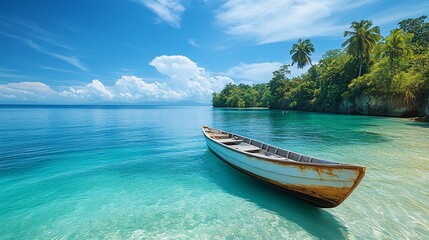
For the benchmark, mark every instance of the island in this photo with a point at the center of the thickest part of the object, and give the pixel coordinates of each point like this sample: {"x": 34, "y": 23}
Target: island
{"x": 370, "y": 75}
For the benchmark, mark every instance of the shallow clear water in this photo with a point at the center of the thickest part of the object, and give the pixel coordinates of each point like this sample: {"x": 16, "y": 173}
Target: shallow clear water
{"x": 145, "y": 172}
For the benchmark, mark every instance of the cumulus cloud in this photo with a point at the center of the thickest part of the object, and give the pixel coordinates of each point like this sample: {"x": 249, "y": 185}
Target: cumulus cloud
{"x": 187, "y": 76}
{"x": 126, "y": 89}
{"x": 90, "y": 92}
{"x": 99, "y": 89}
{"x": 169, "y": 11}
{"x": 176, "y": 67}
{"x": 135, "y": 88}
{"x": 26, "y": 91}
{"x": 273, "y": 21}
{"x": 254, "y": 72}
{"x": 186, "y": 80}
{"x": 202, "y": 86}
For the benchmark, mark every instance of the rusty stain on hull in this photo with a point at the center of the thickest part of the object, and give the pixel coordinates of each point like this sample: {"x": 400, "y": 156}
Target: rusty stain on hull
{"x": 318, "y": 195}
{"x": 327, "y": 171}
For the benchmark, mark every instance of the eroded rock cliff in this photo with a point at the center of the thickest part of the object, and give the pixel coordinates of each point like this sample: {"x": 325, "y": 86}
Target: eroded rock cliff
{"x": 378, "y": 106}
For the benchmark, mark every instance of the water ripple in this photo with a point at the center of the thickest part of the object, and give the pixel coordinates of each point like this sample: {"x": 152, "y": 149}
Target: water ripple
{"x": 145, "y": 172}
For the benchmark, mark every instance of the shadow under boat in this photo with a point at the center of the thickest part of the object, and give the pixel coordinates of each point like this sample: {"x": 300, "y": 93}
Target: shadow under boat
{"x": 317, "y": 222}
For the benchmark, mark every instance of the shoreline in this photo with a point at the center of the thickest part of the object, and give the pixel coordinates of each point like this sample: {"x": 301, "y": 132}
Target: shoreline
{"x": 424, "y": 119}
{"x": 244, "y": 108}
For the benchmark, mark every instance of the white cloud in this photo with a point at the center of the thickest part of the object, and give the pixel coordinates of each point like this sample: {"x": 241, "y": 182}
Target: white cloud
{"x": 49, "y": 39}
{"x": 202, "y": 86}
{"x": 71, "y": 60}
{"x": 261, "y": 72}
{"x": 126, "y": 89}
{"x": 31, "y": 86}
{"x": 254, "y": 72}
{"x": 176, "y": 67}
{"x": 169, "y": 11}
{"x": 186, "y": 81}
{"x": 400, "y": 12}
{"x": 187, "y": 76}
{"x": 135, "y": 88}
{"x": 193, "y": 43}
{"x": 296, "y": 72}
{"x": 36, "y": 32}
{"x": 274, "y": 21}
{"x": 99, "y": 89}
{"x": 26, "y": 91}
{"x": 10, "y": 73}
{"x": 56, "y": 69}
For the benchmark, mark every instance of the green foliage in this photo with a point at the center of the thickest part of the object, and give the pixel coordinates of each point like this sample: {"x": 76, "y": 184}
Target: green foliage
{"x": 277, "y": 85}
{"x": 409, "y": 85}
{"x": 336, "y": 73}
{"x": 376, "y": 83}
{"x": 301, "y": 53}
{"x": 242, "y": 96}
{"x": 396, "y": 48}
{"x": 406, "y": 86}
{"x": 418, "y": 27}
{"x": 329, "y": 56}
{"x": 396, "y": 68}
{"x": 362, "y": 41}
{"x": 420, "y": 64}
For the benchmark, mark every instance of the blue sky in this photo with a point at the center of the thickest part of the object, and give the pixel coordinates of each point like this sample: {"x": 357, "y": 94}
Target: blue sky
{"x": 119, "y": 51}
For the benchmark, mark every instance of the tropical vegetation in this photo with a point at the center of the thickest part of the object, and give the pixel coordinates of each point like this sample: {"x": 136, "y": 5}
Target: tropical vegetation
{"x": 391, "y": 71}
{"x": 362, "y": 41}
{"x": 301, "y": 53}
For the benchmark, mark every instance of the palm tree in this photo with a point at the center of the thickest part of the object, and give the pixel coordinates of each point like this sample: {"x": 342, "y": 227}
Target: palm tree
{"x": 396, "y": 47}
{"x": 301, "y": 53}
{"x": 362, "y": 40}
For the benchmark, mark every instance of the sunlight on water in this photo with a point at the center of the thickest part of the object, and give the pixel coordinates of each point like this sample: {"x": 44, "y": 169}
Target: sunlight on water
{"x": 145, "y": 172}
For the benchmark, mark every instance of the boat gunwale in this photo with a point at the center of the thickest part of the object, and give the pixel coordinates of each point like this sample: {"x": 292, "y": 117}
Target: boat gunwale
{"x": 283, "y": 162}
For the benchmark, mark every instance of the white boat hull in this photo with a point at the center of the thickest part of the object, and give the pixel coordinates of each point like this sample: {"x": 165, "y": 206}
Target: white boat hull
{"x": 323, "y": 185}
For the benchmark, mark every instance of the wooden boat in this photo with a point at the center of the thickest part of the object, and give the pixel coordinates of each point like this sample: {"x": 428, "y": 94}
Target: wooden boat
{"x": 323, "y": 183}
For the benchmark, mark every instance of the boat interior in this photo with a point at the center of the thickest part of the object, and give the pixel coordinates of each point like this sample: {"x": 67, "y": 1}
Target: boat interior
{"x": 259, "y": 149}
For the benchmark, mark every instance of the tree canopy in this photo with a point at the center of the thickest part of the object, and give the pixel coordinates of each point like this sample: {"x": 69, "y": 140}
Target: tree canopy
{"x": 393, "y": 68}
{"x": 362, "y": 40}
{"x": 301, "y": 53}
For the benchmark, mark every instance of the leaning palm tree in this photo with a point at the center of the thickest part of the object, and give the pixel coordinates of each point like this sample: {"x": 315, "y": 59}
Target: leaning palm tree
{"x": 363, "y": 38}
{"x": 396, "y": 47}
{"x": 301, "y": 53}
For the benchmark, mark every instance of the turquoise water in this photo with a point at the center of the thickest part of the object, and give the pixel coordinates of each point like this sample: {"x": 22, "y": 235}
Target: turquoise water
{"x": 145, "y": 172}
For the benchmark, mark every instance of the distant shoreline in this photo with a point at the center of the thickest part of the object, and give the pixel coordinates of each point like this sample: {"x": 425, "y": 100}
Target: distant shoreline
{"x": 100, "y": 105}
{"x": 424, "y": 119}
{"x": 254, "y": 108}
